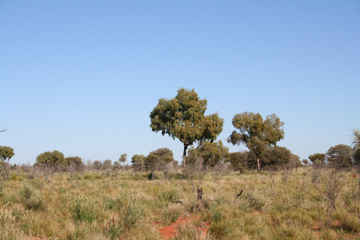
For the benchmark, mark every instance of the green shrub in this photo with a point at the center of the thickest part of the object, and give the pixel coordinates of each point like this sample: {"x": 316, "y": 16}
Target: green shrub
{"x": 14, "y": 177}
{"x": 216, "y": 217}
{"x": 170, "y": 214}
{"x": 81, "y": 213}
{"x": 87, "y": 176}
{"x": 219, "y": 230}
{"x": 113, "y": 229}
{"x": 174, "y": 175}
{"x": 31, "y": 198}
{"x": 350, "y": 224}
{"x": 109, "y": 203}
{"x": 166, "y": 196}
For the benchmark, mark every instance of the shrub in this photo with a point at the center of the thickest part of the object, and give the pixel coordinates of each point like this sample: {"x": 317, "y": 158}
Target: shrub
{"x": 83, "y": 212}
{"x": 8, "y": 221}
{"x": 130, "y": 213}
{"x": 350, "y": 224}
{"x": 166, "y": 196}
{"x": 219, "y": 230}
{"x": 31, "y": 198}
{"x": 170, "y": 214}
{"x": 14, "y": 177}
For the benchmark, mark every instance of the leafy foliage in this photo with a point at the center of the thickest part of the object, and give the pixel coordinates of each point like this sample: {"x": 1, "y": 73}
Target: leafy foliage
{"x": 123, "y": 158}
{"x": 239, "y": 160}
{"x": 257, "y": 134}
{"x": 31, "y": 197}
{"x": 6, "y": 153}
{"x": 51, "y": 158}
{"x": 211, "y": 152}
{"x": 138, "y": 162}
{"x": 319, "y": 156}
{"x": 183, "y": 117}
{"x": 340, "y": 156}
{"x": 158, "y": 158}
{"x": 76, "y": 161}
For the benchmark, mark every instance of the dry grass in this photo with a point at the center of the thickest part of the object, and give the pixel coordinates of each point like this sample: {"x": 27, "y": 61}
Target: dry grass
{"x": 125, "y": 205}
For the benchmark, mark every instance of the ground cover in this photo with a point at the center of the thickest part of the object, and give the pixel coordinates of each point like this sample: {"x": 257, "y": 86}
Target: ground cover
{"x": 307, "y": 204}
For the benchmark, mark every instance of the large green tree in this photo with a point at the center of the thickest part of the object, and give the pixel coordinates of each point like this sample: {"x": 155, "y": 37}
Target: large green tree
{"x": 51, "y": 158}
{"x": 6, "y": 153}
{"x": 183, "y": 117}
{"x": 340, "y": 156}
{"x": 256, "y": 133}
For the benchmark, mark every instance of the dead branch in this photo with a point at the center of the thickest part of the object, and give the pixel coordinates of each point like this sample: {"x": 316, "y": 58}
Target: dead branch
{"x": 239, "y": 194}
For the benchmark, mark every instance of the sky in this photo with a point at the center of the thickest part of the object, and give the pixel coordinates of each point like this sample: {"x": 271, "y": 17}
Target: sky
{"x": 82, "y": 77}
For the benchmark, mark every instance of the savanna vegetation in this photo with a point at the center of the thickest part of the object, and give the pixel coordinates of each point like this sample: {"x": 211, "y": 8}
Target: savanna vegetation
{"x": 266, "y": 192}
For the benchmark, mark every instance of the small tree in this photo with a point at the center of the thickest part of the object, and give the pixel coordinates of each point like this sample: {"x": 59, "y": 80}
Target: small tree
{"x": 76, "y": 163}
{"x": 356, "y": 139}
{"x": 239, "y": 161}
{"x": 211, "y": 152}
{"x": 51, "y": 158}
{"x": 356, "y": 146}
{"x": 138, "y": 162}
{"x": 256, "y": 133}
{"x": 107, "y": 165}
{"x": 97, "y": 165}
{"x": 305, "y": 162}
{"x": 183, "y": 117}
{"x": 318, "y": 156}
{"x": 6, "y": 153}
{"x": 156, "y": 159}
{"x": 340, "y": 156}
{"x": 123, "y": 158}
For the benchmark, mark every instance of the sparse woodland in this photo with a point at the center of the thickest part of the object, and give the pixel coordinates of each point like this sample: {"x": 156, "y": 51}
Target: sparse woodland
{"x": 264, "y": 193}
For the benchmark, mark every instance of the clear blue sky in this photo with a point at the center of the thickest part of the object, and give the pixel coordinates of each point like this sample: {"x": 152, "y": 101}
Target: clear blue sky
{"x": 82, "y": 77}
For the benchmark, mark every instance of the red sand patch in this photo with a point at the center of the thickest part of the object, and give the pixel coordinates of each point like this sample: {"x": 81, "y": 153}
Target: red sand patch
{"x": 170, "y": 231}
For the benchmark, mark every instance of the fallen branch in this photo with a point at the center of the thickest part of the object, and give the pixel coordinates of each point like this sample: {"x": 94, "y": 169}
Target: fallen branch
{"x": 175, "y": 201}
{"x": 239, "y": 194}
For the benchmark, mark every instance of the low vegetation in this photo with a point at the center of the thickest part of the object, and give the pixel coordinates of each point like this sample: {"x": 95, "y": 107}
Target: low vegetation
{"x": 310, "y": 203}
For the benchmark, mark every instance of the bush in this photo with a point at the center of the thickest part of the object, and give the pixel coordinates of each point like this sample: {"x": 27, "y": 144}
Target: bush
{"x": 350, "y": 224}
{"x": 31, "y": 198}
{"x": 14, "y": 177}
{"x": 166, "y": 196}
{"x": 82, "y": 210}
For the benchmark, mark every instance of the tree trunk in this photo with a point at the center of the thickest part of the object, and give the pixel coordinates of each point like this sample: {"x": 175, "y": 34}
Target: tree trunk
{"x": 258, "y": 164}
{"x": 184, "y": 153}
{"x": 199, "y": 198}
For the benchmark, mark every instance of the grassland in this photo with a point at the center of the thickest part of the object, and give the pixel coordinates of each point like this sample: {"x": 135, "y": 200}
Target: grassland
{"x": 307, "y": 204}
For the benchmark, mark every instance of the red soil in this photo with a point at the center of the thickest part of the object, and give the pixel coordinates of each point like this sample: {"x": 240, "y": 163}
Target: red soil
{"x": 170, "y": 231}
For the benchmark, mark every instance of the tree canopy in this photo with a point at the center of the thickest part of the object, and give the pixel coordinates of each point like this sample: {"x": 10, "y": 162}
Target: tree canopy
{"x": 211, "y": 152}
{"x": 340, "y": 156}
{"x": 183, "y": 117}
{"x": 156, "y": 159}
{"x": 317, "y": 156}
{"x": 6, "y": 153}
{"x": 51, "y": 158}
{"x": 356, "y": 139}
{"x": 257, "y": 134}
{"x": 123, "y": 158}
{"x": 239, "y": 160}
{"x": 138, "y": 162}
